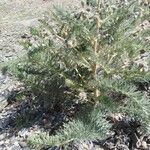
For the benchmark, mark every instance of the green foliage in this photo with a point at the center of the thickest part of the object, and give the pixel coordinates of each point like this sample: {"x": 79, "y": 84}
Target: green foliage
{"x": 135, "y": 103}
{"x": 90, "y": 127}
{"x": 93, "y": 52}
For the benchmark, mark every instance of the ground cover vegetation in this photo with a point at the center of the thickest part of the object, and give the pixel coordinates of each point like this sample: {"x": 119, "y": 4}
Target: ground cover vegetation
{"x": 88, "y": 57}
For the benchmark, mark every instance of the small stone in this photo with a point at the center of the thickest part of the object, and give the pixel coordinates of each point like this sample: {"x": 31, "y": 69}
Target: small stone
{"x": 26, "y": 148}
{"x": 110, "y": 145}
{"x": 15, "y": 146}
{"x": 23, "y": 133}
{"x": 2, "y": 146}
{"x": 86, "y": 146}
{"x": 23, "y": 144}
{"x": 122, "y": 147}
{"x": 144, "y": 145}
{"x": 2, "y": 136}
{"x": 98, "y": 148}
{"x": 7, "y": 141}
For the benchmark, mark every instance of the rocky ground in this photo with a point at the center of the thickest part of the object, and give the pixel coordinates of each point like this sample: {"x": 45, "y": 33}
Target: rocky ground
{"x": 16, "y": 16}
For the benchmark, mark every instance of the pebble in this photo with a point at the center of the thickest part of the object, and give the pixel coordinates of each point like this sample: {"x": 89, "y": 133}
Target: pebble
{"x": 98, "y": 148}
{"x": 3, "y": 136}
{"x": 2, "y": 146}
{"x": 15, "y": 146}
{"x": 144, "y": 145}
{"x": 23, "y": 133}
{"x": 23, "y": 144}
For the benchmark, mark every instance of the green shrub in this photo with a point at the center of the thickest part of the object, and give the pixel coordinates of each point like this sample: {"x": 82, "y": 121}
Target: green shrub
{"x": 88, "y": 127}
{"x": 91, "y": 51}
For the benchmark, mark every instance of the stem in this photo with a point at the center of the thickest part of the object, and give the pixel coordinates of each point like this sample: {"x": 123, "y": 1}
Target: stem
{"x": 94, "y": 69}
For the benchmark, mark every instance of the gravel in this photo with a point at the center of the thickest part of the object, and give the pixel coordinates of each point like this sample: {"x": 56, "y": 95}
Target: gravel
{"x": 16, "y": 16}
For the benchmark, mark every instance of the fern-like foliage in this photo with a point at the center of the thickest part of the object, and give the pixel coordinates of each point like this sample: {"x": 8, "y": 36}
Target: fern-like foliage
{"x": 93, "y": 51}
{"x": 135, "y": 103}
{"x": 89, "y": 127}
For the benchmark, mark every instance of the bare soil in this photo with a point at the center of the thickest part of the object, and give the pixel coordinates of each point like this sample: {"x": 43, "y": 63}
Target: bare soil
{"x": 16, "y": 16}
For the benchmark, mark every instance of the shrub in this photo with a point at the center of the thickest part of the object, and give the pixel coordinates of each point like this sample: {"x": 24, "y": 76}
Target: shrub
{"x": 90, "y": 127}
{"x": 91, "y": 51}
